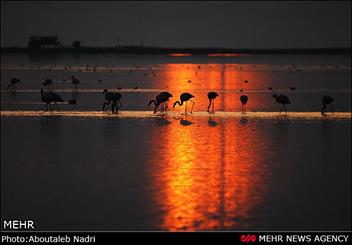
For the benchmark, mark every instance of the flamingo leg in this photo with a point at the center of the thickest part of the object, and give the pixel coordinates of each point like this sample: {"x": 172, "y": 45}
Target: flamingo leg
{"x": 113, "y": 106}
{"x": 285, "y": 109}
{"x": 156, "y": 107}
{"x": 117, "y": 107}
{"x": 57, "y": 107}
{"x": 332, "y": 109}
{"x": 323, "y": 110}
{"x": 162, "y": 108}
{"x": 192, "y": 106}
{"x": 105, "y": 104}
{"x": 166, "y": 106}
{"x": 46, "y": 106}
{"x": 52, "y": 108}
{"x": 186, "y": 108}
{"x": 281, "y": 109}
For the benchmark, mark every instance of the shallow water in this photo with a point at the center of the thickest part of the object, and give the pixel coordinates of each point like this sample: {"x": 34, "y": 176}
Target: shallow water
{"x": 312, "y": 77}
{"x": 82, "y": 169}
{"x": 176, "y": 174}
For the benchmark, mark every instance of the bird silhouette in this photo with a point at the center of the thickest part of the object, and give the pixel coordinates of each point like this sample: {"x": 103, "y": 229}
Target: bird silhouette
{"x": 50, "y": 97}
{"x": 184, "y": 98}
{"x": 13, "y": 83}
{"x": 75, "y": 81}
{"x": 282, "y": 99}
{"x": 161, "y": 99}
{"x": 211, "y": 97}
{"x": 327, "y": 100}
{"x": 113, "y": 98}
{"x": 244, "y": 100}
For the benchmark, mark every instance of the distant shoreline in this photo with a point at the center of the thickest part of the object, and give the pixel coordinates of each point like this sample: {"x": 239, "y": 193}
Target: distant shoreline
{"x": 171, "y": 51}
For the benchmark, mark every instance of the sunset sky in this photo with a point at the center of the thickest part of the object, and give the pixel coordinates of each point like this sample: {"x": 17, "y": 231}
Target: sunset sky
{"x": 181, "y": 24}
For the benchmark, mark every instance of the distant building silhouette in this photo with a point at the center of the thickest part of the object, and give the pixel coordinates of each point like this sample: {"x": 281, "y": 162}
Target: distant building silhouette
{"x": 43, "y": 42}
{"x": 76, "y": 44}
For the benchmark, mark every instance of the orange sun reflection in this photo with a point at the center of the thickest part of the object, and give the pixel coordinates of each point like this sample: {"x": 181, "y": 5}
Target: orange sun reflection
{"x": 180, "y": 54}
{"x": 226, "y": 79}
{"x": 210, "y": 176}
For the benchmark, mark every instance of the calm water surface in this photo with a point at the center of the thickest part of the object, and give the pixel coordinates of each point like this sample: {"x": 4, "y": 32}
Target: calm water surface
{"x": 312, "y": 77}
{"x": 176, "y": 174}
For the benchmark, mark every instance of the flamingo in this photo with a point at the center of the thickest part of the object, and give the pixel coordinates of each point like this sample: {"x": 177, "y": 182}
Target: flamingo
{"x": 114, "y": 98}
{"x": 161, "y": 99}
{"x": 13, "y": 83}
{"x": 51, "y": 97}
{"x": 211, "y": 97}
{"x": 326, "y": 100}
{"x": 184, "y": 98}
{"x": 282, "y": 99}
{"x": 244, "y": 100}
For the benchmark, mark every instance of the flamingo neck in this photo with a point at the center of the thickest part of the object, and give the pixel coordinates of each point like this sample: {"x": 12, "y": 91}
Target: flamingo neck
{"x": 177, "y": 102}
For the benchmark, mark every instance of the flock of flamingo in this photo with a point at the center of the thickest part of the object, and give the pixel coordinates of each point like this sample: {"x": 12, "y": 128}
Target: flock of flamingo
{"x": 112, "y": 99}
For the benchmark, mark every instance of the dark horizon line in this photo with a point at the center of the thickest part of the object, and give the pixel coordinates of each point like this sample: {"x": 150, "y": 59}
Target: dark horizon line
{"x": 138, "y": 49}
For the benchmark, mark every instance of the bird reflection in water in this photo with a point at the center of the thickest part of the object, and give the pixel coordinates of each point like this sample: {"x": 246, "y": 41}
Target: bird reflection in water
{"x": 244, "y": 120}
{"x": 212, "y": 123}
{"x": 184, "y": 120}
{"x": 161, "y": 121}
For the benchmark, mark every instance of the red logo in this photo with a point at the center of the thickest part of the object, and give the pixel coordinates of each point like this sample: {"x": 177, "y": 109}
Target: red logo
{"x": 248, "y": 238}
